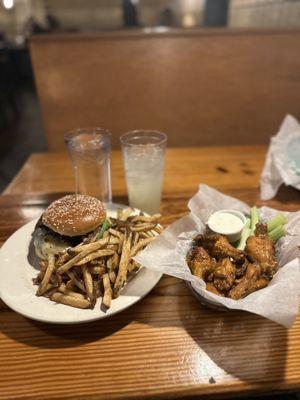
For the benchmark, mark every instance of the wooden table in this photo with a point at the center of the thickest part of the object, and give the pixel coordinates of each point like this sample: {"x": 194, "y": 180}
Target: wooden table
{"x": 167, "y": 345}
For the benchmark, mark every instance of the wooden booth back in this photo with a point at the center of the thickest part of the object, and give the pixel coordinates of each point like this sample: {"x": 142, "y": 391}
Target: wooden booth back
{"x": 203, "y": 87}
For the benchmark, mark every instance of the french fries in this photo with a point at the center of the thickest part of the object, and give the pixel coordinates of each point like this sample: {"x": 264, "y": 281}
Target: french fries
{"x": 91, "y": 246}
{"x": 140, "y": 245}
{"x": 124, "y": 261}
{"x": 88, "y": 283}
{"x": 69, "y": 264}
{"x": 70, "y": 300}
{"x": 46, "y": 279}
{"x": 112, "y": 276}
{"x": 144, "y": 227}
{"x": 93, "y": 256}
{"x": 107, "y": 291}
{"x": 98, "y": 267}
{"x": 63, "y": 289}
{"x": 142, "y": 218}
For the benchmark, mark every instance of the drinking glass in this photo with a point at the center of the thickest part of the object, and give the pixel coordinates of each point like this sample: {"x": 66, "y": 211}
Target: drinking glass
{"x": 143, "y": 153}
{"x": 89, "y": 150}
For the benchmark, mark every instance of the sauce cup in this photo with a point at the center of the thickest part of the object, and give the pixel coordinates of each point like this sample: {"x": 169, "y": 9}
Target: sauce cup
{"x": 229, "y": 223}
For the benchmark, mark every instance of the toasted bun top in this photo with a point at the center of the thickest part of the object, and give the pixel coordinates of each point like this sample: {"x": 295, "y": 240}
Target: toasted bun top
{"x": 74, "y": 215}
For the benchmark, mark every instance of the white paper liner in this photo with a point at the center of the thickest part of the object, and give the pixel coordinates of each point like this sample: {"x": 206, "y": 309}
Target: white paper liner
{"x": 278, "y": 301}
{"x": 282, "y": 160}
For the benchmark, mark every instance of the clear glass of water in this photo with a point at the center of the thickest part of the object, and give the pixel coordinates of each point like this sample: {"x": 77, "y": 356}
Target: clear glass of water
{"x": 144, "y": 153}
{"x": 89, "y": 150}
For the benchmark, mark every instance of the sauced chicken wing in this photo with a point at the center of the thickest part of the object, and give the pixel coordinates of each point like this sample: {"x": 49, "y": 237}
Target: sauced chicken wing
{"x": 211, "y": 287}
{"x": 231, "y": 272}
{"x": 201, "y": 263}
{"x": 249, "y": 283}
{"x": 219, "y": 247}
{"x": 261, "y": 229}
{"x": 241, "y": 269}
{"x": 260, "y": 248}
{"x": 224, "y": 275}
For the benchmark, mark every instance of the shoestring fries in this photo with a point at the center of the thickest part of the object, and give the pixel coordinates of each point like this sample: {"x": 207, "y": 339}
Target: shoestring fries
{"x": 98, "y": 267}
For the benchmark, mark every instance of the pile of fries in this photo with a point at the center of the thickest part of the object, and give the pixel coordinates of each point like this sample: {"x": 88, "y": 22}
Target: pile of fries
{"x": 98, "y": 267}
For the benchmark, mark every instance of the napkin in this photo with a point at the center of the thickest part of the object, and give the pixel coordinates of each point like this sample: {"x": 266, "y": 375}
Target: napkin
{"x": 278, "y": 301}
{"x": 282, "y": 163}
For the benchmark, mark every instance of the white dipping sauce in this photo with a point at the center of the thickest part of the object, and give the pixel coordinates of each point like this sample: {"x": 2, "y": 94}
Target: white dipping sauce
{"x": 225, "y": 223}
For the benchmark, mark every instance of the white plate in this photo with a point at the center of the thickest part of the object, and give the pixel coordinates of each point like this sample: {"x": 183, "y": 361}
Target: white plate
{"x": 18, "y": 291}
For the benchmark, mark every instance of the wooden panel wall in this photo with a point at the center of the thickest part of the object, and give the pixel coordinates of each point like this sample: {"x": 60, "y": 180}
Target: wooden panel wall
{"x": 204, "y": 87}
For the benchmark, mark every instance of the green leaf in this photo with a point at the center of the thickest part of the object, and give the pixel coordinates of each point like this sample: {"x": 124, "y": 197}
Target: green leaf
{"x": 104, "y": 227}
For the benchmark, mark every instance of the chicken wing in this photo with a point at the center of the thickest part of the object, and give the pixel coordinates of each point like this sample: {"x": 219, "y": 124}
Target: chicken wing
{"x": 241, "y": 269}
{"x": 201, "y": 263}
{"x": 219, "y": 247}
{"x": 260, "y": 248}
{"x": 224, "y": 275}
{"x": 250, "y": 282}
{"x": 211, "y": 287}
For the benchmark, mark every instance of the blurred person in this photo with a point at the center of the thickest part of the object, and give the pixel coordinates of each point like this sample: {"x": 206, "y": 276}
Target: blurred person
{"x": 216, "y": 12}
{"x": 31, "y": 26}
{"x": 130, "y": 17}
{"x": 53, "y": 23}
{"x": 167, "y": 17}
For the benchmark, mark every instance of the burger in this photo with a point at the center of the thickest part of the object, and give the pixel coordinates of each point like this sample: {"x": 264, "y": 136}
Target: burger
{"x": 66, "y": 222}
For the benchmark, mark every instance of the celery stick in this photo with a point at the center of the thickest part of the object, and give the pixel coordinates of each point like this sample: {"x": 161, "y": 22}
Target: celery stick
{"x": 247, "y": 223}
{"x": 241, "y": 244}
{"x": 244, "y": 236}
{"x": 277, "y": 233}
{"x": 254, "y": 219}
{"x": 279, "y": 219}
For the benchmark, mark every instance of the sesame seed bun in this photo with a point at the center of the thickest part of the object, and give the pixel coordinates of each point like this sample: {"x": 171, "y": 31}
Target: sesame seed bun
{"x": 74, "y": 215}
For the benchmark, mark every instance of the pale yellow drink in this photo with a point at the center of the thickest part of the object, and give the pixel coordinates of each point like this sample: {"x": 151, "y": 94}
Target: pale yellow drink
{"x": 144, "y": 164}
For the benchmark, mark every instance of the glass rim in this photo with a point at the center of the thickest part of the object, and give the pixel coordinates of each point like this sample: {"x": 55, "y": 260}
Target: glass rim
{"x": 140, "y": 133}
{"x": 104, "y": 132}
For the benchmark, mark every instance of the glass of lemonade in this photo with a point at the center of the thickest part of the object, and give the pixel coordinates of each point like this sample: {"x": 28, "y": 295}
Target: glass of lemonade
{"x": 89, "y": 150}
{"x": 144, "y": 153}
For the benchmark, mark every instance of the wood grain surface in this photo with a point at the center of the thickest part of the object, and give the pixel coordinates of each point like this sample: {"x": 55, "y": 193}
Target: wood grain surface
{"x": 201, "y": 87}
{"x": 167, "y": 345}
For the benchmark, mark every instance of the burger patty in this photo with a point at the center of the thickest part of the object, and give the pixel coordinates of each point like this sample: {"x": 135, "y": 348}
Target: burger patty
{"x": 46, "y": 241}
